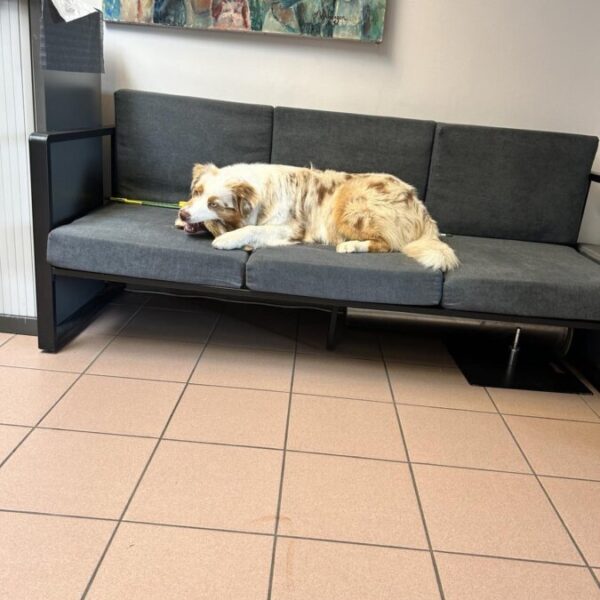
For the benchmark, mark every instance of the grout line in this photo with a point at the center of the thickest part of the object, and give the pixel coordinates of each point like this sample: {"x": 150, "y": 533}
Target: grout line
{"x": 79, "y": 376}
{"x": 145, "y": 469}
{"x": 413, "y": 478}
{"x": 514, "y": 437}
{"x": 597, "y": 413}
{"x": 10, "y": 337}
{"x": 288, "y": 536}
{"x": 283, "y": 461}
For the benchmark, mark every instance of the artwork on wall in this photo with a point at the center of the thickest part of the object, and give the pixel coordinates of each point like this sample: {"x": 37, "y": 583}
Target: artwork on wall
{"x": 360, "y": 20}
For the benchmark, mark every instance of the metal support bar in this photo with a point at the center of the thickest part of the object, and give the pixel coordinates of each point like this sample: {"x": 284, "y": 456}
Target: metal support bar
{"x": 337, "y": 320}
{"x": 595, "y": 177}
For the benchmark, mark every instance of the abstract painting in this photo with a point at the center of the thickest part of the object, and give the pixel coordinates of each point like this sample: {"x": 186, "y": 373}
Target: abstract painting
{"x": 360, "y": 20}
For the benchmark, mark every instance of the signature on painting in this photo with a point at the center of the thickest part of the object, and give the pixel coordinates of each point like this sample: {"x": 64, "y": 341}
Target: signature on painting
{"x": 328, "y": 17}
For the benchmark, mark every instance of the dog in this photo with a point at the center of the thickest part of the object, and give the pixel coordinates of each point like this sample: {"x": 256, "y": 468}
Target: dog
{"x": 253, "y": 206}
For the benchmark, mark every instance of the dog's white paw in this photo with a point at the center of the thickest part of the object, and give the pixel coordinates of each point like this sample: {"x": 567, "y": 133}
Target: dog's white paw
{"x": 228, "y": 241}
{"x": 352, "y": 246}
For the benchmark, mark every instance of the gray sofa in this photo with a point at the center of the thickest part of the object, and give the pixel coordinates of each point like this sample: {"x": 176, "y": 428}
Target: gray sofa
{"x": 510, "y": 201}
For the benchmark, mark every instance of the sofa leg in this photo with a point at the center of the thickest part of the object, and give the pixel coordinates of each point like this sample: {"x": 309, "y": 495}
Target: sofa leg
{"x": 337, "y": 320}
{"x": 513, "y": 357}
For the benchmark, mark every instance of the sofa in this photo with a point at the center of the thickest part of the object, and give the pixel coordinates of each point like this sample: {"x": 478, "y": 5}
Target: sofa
{"x": 509, "y": 201}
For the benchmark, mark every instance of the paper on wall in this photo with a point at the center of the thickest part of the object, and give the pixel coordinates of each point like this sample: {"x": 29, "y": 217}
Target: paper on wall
{"x": 70, "y": 10}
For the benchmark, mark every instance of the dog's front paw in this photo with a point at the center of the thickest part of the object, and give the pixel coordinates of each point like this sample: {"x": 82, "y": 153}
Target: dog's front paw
{"x": 179, "y": 223}
{"x": 228, "y": 241}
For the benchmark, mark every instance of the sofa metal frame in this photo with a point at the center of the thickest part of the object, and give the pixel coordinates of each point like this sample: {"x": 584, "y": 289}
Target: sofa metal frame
{"x": 53, "y": 335}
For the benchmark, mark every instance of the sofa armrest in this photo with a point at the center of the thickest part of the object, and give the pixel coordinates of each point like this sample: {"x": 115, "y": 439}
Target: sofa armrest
{"x": 595, "y": 177}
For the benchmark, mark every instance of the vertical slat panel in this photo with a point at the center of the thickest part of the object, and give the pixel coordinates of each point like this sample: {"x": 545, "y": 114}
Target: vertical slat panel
{"x": 17, "y": 294}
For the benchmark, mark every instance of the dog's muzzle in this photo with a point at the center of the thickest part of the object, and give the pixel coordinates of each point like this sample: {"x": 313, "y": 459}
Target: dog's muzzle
{"x": 194, "y": 228}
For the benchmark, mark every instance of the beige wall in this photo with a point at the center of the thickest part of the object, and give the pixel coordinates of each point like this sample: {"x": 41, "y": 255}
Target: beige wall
{"x": 516, "y": 63}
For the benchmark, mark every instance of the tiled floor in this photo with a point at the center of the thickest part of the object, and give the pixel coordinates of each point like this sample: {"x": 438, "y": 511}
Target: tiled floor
{"x": 185, "y": 449}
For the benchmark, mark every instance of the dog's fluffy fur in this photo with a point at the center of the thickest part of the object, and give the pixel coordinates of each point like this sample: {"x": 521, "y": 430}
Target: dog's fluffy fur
{"x": 259, "y": 205}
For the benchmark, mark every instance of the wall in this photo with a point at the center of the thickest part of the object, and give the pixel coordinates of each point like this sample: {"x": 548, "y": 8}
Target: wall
{"x": 17, "y": 291}
{"x": 531, "y": 64}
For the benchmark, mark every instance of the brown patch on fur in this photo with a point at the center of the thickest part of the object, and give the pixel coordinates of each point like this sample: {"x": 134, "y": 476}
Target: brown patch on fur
{"x": 379, "y": 246}
{"x": 324, "y": 191}
{"x": 359, "y": 223}
{"x": 379, "y": 186}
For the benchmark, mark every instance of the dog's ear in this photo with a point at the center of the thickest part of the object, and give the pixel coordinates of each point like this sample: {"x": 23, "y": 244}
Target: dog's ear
{"x": 245, "y": 197}
{"x": 200, "y": 169}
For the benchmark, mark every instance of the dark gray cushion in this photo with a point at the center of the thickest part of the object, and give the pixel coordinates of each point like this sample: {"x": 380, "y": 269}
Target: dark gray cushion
{"x": 354, "y": 143}
{"x": 522, "y": 278}
{"x": 509, "y": 183}
{"x": 142, "y": 242}
{"x": 320, "y": 272}
{"x": 160, "y": 137}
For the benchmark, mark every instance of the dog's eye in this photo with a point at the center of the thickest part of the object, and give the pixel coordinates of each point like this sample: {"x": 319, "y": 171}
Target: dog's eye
{"x": 212, "y": 203}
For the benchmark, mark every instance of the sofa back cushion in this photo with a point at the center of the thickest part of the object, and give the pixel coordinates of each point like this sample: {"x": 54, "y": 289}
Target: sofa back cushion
{"x": 160, "y": 137}
{"x": 509, "y": 183}
{"x": 354, "y": 143}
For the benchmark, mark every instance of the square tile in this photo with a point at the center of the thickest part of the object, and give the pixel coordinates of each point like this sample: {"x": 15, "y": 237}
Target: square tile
{"x": 460, "y": 438}
{"x": 542, "y": 404}
{"x": 146, "y": 561}
{"x": 243, "y": 367}
{"x": 350, "y": 499}
{"x": 182, "y": 326}
{"x": 111, "y": 320}
{"x": 114, "y": 405}
{"x": 22, "y": 351}
{"x": 220, "y": 487}
{"x": 70, "y": 473}
{"x": 476, "y": 578}
{"x": 578, "y": 503}
{"x": 4, "y": 337}
{"x": 10, "y": 438}
{"x": 50, "y": 558}
{"x": 416, "y": 349}
{"x": 351, "y": 427}
{"x": 498, "y": 514}
{"x": 562, "y": 448}
{"x": 165, "y": 360}
{"x": 306, "y": 570}
{"x": 433, "y": 386}
{"x": 332, "y": 375}
{"x": 312, "y": 338}
{"x": 26, "y": 394}
{"x": 231, "y": 416}
{"x": 269, "y": 329}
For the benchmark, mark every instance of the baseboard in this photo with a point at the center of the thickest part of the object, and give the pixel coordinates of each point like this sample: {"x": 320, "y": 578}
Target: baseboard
{"x": 22, "y": 325}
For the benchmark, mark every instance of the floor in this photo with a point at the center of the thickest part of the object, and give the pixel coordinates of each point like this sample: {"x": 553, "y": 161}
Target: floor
{"x": 181, "y": 449}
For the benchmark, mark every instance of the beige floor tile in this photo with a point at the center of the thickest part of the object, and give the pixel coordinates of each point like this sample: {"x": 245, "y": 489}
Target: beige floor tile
{"x": 593, "y": 402}
{"x": 182, "y": 326}
{"x": 111, "y": 320}
{"x": 9, "y": 438}
{"x": 48, "y": 558}
{"x": 332, "y": 375}
{"x": 312, "y": 338}
{"x": 242, "y": 367}
{"x": 350, "y": 427}
{"x": 210, "y": 486}
{"x": 165, "y": 360}
{"x": 307, "y": 570}
{"x": 562, "y": 448}
{"x": 417, "y": 350}
{"x": 432, "y": 386}
{"x": 351, "y": 499}
{"x": 498, "y": 514}
{"x": 475, "y": 578}
{"x": 22, "y": 351}
{"x": 26, "y": 394}
{"x": 461, "y": 438}
{"x": 4, "y": 337}
{"x": 114, "y": 405}
{"x": 146, "y": 561}
{"x": 275, "y": 330}
{"x": 578, "y": 503}
{"x": 542, "y": 404}
{"x": 231, "y": 415}
{"x": 73, "y": 473}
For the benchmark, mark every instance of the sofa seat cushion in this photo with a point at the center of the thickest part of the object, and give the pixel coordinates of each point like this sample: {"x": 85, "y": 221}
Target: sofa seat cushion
{"x": 320, "y": 272}
{"x": 522, "y": 278}
{"x": 142, "y": 242}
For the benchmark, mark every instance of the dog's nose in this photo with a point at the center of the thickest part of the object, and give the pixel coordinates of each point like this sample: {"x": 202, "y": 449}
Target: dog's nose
{"x": 184, "y": 215}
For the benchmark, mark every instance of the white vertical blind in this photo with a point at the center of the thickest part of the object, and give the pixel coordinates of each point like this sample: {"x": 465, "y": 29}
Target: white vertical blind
{"x": 17, "y": 288}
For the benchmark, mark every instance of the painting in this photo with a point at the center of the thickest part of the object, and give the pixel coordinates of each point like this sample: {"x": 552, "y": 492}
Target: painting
{"x": 360, "y": 20}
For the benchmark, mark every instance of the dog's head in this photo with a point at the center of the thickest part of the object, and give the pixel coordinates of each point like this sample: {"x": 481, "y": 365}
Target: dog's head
{"x": 218, "y": 202}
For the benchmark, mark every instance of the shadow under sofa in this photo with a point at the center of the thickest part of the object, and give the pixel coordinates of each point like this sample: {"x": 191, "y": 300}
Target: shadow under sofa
{"x": 510, "y": 202}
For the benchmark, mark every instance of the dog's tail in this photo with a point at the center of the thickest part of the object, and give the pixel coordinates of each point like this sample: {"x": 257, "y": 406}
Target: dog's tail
{"x": 432, "y": 253}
